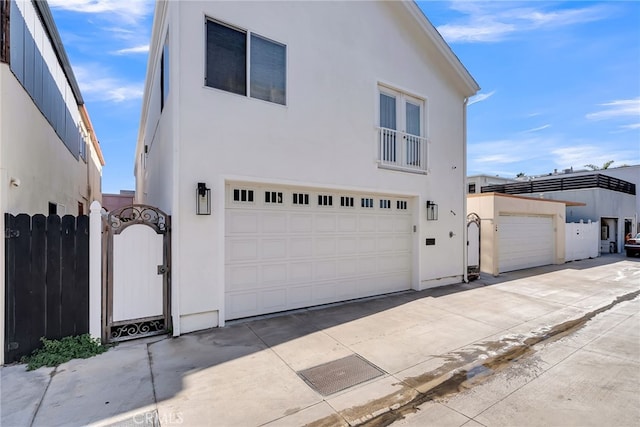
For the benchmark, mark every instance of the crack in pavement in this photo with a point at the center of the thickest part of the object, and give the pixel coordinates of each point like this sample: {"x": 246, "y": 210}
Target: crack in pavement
{"x": 461, "y": 371}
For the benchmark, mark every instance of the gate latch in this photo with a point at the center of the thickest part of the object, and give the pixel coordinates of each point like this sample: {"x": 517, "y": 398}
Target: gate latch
{"x": 162, "y": 269}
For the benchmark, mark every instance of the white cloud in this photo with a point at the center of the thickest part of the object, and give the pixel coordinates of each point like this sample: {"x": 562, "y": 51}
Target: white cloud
{"x": 480, "y": 97}
{"x": 539, "y": 128}
{"x": 496, "y": 21}
{"x": 96, "y": 84}
{"x": 133, "y": 50}
{"x": 618, "y": 108}
{"x": 632, "y": 126}
{"x": 130, "y": 11}
{"x": 475, "y": 32}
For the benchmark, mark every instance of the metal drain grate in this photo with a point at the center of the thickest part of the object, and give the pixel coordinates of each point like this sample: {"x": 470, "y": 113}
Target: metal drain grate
{"x": 340, "y": 374}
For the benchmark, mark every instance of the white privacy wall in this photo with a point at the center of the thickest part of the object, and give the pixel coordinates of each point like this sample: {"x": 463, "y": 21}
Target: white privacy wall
{"x": 325, "y": 137}
{"x": 583, "y": 240}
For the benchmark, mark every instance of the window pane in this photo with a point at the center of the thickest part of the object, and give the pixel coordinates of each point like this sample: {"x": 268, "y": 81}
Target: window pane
{"x": 413, "y": 119}
{"x": 387, "y": 111}
{"x": 226, "y": 58}
{"x": 268, "y": 70}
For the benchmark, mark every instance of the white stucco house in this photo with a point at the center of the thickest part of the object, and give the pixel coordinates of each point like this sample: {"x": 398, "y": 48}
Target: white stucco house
{"x": 327, "y": 137}
{"x": 50, "y": 158}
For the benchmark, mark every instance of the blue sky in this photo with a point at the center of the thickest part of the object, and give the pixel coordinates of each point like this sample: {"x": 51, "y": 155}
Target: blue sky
{"x": 560, "y": 80}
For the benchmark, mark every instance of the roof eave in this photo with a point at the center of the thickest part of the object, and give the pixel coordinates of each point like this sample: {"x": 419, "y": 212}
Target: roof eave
{"x": 442, "y": 46}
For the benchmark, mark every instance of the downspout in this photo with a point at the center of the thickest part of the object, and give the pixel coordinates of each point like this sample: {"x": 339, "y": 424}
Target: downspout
{"x": 465, "y": 239}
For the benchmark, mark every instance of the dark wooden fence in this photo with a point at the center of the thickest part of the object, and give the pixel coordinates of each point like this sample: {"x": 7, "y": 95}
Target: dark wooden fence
{"x": 562, "y": 184}
{"x": 46, "y": 280}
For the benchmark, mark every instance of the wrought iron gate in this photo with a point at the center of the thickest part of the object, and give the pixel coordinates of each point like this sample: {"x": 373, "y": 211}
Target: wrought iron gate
{"x": 473, "y": 246}
{"x": 137, "y": 275}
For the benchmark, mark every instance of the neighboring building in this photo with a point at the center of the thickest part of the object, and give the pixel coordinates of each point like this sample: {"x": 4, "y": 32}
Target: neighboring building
{"x": 320, "y": 131}
{"x": 50, "y": 159}
{"x": 116, "y": 201}
{"x": 519, "y": 232}
{"x": 608, "y": 196}
{"x": 476, "y": 182}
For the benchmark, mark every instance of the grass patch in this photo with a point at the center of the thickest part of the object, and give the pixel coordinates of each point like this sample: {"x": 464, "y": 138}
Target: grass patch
{"x": 56, "y": 352}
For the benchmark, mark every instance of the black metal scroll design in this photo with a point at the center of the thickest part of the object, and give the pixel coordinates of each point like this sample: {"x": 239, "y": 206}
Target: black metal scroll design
{"x": 137, "y": 329}
{"x": 122, "y": 218}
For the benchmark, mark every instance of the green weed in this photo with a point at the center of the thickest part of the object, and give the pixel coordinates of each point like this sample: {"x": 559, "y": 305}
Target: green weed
{"x": 56, "y": 352}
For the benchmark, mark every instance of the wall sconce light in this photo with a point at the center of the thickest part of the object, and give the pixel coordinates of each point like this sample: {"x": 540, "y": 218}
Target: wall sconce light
{"x": 203, "y": 199}
{"x": 432, "y": 211}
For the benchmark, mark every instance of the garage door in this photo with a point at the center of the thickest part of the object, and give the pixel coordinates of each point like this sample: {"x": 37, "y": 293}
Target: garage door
{"x": 289, "y": 248}
{"x": 525, "y": 241}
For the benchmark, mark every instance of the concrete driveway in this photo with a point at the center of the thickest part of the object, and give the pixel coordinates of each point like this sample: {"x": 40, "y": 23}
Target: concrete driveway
{"x": 570, "y": 332}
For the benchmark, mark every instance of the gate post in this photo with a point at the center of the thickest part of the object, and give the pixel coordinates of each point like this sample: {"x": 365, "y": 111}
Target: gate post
{"x": 95, "y": 270}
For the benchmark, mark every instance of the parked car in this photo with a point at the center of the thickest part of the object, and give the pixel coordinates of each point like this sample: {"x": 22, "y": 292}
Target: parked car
{"x": 632, "y": 245}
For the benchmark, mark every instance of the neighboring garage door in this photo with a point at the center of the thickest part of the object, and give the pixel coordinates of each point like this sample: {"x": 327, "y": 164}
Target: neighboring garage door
{"x": 289, "y": 248}
{"x": 525, "y": 241}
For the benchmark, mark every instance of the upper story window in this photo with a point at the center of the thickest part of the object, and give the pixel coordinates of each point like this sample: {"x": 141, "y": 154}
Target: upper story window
{"x": 401, "y": 140}
{"x": 472, "y": 188}
{"x": 228, "y": 68}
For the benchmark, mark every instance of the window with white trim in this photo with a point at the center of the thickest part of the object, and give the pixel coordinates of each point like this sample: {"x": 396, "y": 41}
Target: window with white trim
{"x": 235, "y": 57}
{"x": 401, "y": 129}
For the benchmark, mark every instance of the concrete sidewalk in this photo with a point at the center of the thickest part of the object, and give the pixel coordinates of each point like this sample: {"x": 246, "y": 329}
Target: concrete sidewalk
{"x": 250, "y": 373}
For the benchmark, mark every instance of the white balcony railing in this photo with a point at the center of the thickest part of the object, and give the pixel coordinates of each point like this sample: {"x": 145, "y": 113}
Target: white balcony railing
{"x": 400, "y": 150}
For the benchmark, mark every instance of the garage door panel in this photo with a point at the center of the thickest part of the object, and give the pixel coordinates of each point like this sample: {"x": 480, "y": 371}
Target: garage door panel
{"x": 402, "y": 224}
{"x": 282, "y": 257}
{"x": 347, "y": 246}
{"x": 301, "y": 247}
{"x": 241, "y": 250}
{"x": 301, "y": 272}
{"x": 300, "y": 296}
{"x": 274, "y": 274}
{"x": 273, "y": 249}
{"x": 242, "y": 277}
{"x": 274, "y": 300}
{"x": 386, "y": 223}
{"x": 367, "y": 223}
{"x": 346, "y": 268}
{"x": 348, "y": 223}
{"x": 367, "y": 265}
{"x": 367, "y": 245}
{"x": 325, "y": 246}
{"x": 324, "y": 270}
{"x": 242, "y": 223}
{"x": 385, "y": 243}
{"x": 273, "y": 222}
{"x": 525, "y": 241}
{"x": 301, "y": 223}
{"x": 325, "y": 223}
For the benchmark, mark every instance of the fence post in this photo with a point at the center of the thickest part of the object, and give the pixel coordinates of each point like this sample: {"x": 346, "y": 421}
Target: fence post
{"x": 95, "y": 270}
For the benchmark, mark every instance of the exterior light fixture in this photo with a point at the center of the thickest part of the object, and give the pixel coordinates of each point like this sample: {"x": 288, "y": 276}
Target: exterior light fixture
{"x": 432, "y": 211}
{"x": 203, "y": 199}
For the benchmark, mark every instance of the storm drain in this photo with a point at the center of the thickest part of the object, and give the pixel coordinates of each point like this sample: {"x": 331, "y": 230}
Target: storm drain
{"x": 338, "y": 375}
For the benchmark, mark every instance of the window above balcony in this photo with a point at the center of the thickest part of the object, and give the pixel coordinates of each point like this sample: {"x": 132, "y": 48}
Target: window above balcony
{"x": 401, "y": 139}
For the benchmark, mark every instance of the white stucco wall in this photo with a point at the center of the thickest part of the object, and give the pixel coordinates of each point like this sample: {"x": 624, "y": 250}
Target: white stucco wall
{"x": 325, "y": 137}
{"x": 34, "y": 154}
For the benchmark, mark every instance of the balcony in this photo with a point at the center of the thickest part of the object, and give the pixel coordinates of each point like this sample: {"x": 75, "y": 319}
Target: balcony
{"x": 402, "y": 151}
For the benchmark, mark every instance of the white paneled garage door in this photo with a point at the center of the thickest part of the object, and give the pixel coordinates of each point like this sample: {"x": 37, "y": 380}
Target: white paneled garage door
{"x": 525, "y": 241}
{"x": 289, "y": 248}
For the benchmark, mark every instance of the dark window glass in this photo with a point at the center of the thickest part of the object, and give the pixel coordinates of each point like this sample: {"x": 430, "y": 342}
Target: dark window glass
{"x": 226, "y": 58}
{"x": 268, "y": 70}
